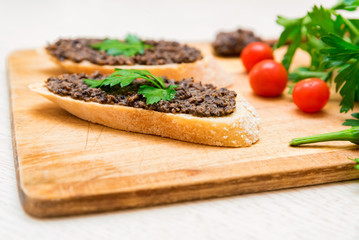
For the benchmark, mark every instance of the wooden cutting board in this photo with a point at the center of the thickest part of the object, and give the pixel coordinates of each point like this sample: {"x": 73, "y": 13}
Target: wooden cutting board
{"x": 65, "y": 165}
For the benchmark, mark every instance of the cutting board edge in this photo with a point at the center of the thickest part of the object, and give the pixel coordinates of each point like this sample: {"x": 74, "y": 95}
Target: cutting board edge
{"x": 41, "y": 208}
{"x": 13, "y": 131}
{"x": 46, "y": 209}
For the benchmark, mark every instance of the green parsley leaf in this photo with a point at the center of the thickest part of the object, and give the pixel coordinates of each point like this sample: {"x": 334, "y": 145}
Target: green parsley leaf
{"x": 130, "y": 47}
{"x": 293, "y": 33}
{"x": 290, "y": 25}
{"x": 304, "y": 72}
{"x": 313, "y": 46}
{"x": 347, "y": 79}
{"x": 93, "y": 82}
{"x": 125, "y": 77}
{"x": 121, "y": 77}
{"x": 321, "y": 22}
{"x": 345, "y": 56}
{"x": 335, "y": 42}
{"x": 352, "y": 122}
{"x": 348, "y": 5}
{"x": 154, "y": 95}
{"x": 130, "y": 38}
{"x": 297, "y": 38}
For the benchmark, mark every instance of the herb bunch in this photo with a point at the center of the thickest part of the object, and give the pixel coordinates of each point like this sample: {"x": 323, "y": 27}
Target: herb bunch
{"x": 332, "y": 43}
{"x": 130, "y": 47}
{"x": 153, "y": 93}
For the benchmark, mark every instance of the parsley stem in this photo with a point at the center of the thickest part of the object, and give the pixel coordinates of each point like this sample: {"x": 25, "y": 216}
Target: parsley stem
{"x": 351, "y": 26}
{"x": 160, "y": 80}
{"x": 351, "y": 134}
{"x": 348, "y": 23}
{"x": 153, "y": 82}
{"x": 337, "y": 5}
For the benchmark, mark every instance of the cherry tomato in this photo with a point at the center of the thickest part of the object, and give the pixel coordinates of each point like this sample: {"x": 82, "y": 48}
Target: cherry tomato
{"x": 311, "y": 94}
{"x": 268, "y": 78}
{"x": 255, "y": 52}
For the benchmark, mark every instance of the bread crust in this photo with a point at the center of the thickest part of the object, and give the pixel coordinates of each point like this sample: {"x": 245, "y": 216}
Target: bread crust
{"x": 206, "y": 70}
{"x": 239, "y": 129}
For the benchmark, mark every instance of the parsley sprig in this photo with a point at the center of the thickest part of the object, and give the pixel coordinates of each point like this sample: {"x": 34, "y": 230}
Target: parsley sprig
{"x": 351, "y": 134}
{"x": 332, "y": 42}
{"x": 130, "y": 47}
{"x": 124, "y": 77}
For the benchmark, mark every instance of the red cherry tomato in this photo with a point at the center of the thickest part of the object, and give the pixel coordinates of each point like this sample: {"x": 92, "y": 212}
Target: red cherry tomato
{"x": 255, "y": 52}
{"x": 311, "y": 94}
{"x": 268, "y": 78}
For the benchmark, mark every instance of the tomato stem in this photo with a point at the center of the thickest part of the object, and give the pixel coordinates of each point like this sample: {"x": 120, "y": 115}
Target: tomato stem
{"x": 351, "y": 134}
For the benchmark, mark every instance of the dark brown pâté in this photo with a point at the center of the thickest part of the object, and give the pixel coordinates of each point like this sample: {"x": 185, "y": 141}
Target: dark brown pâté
{"x": 163, "y": 52}
{"x": 231, "y": 44}
{"x": 191, "y": 98}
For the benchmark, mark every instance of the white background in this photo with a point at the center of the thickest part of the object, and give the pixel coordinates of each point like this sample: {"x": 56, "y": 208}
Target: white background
{"x": 328, "y": 211}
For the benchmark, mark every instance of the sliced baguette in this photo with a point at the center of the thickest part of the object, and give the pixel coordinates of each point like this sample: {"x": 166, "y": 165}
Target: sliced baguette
{"x": 206, "y": 70}
{"x": 238, "y": 129}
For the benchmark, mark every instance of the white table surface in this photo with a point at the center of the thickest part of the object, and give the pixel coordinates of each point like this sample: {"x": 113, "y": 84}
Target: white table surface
{"x": 329, "y": 211}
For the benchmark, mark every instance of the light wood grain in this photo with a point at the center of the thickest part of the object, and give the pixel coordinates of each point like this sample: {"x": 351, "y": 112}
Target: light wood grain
{"x": 68, "y": 166}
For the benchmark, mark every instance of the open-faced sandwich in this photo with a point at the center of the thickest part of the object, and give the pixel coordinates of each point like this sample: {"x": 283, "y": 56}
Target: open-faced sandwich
{"x": 138, "y": 101}
{"x": 162, "y": 58}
